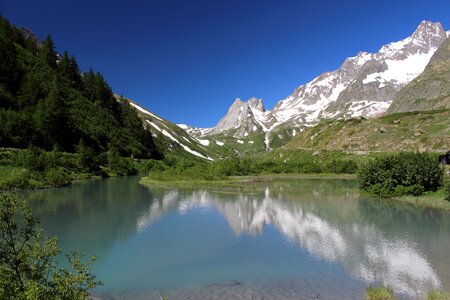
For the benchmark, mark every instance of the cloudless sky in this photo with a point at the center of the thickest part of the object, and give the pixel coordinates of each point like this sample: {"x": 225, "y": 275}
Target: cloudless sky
{"x": 188, "y": 60}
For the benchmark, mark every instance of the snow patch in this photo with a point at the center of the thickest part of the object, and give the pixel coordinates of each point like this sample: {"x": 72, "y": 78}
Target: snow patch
{"x": 186, "y": 148}
{"x": 220, "y": 143}
{"x": 401, "y": 71}
{"x": 203, "y": 142}
{"x": 144, "y": 111}
{"x": 239, "y": 141}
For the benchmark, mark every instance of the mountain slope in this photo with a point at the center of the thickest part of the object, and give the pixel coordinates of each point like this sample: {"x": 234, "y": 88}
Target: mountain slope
{"x": 422, "y": 130}
{"x": 431, "y": 89}
{"x": 168, "y": 136}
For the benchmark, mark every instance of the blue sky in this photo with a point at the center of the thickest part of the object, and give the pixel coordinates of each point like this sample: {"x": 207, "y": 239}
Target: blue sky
{"x": 188, "y": 60}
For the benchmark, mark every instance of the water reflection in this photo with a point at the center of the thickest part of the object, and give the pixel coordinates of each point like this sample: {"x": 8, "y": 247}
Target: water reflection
{"x": 378, "y": 242}
{"x": 316, "y": 223}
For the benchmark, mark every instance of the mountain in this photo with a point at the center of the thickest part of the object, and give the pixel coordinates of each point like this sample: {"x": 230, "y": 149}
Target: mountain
{"x": 245, "y": 116}
{"x": 429, "y": 90}
{"x": 169, "y": 137}
{"x": 364, "y": 85}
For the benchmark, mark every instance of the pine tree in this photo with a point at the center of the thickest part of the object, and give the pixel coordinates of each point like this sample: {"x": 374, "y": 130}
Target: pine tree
{"x": 9, "y": 69}
{"x": 47, "y": 52}
{"x": 63, "y": 67}
{"x": 74, "y": 73}
{"x": 51, "y": 117}
{"x": 68, "y": 69}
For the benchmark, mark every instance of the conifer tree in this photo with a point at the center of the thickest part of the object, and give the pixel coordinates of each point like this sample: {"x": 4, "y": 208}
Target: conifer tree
{"x": 63, "y": 67}
{"x": 9, "y": 69}
{"x": 51, "y": 117}
{"x": 74, "y": 73}
{"x": 47, "y": 52}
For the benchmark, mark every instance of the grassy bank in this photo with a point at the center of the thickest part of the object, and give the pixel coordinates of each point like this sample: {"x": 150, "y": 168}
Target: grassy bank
{"x": 240, "y": 183}
{"x": 431, "y": 200}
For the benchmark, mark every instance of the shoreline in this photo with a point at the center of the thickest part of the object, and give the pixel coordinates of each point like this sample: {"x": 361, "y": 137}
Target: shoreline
{"x": 241, "y": 183}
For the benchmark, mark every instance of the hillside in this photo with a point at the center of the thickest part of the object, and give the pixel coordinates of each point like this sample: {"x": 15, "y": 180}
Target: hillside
{"x": 431, "y": 89}
{"x": 425, "y": 130}
{"x": 46, "y": 102}
{"x": 169, "y": 137}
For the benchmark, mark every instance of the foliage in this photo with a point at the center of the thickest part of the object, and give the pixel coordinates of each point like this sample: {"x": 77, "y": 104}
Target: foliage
{"x": 181, "y": 168}
{"x": 28, "y": 265}
{"x": 401, "y": 174}
{"x": 447, "y": 188}
{"x": 120, "y": 165}
{"x": 379, "y": 293}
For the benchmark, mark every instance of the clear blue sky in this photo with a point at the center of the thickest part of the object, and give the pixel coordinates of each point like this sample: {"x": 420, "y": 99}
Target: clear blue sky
{"x": 188, "y": 60}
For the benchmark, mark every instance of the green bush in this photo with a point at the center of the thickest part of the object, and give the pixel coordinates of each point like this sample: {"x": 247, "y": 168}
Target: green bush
{"x": 341, "y": 166}
{"x": 57, "y": 177}
{"x": 120, "y": 166}
{"x": 447, "y": 187}
{"x": 401, "y": 174}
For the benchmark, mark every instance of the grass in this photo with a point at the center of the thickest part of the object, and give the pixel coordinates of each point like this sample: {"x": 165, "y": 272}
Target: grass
{"x": 240, "y": 183}
{"x": 379, "y": 293}
{"x": 431, "y": 199}
{"x": 386, "y": 293}
{"x": 12, "y": 177}
{"x": 438, "y": 295}
{"x": 396, "y": 132}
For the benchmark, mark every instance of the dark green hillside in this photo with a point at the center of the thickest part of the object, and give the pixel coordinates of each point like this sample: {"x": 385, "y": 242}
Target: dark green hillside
{"x": 46, "y": 102}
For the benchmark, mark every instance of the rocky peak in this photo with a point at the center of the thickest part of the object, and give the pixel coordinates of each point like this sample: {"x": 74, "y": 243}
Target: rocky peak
{"x": 427, "y": 36}
{"x": 428, "y": 33}
{"x": 240, "y": 113}
{"x": 256, "y": 103}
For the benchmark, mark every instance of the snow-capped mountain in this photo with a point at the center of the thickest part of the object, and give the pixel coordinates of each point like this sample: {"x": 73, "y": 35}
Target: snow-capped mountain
{"x": 364, "y": 85}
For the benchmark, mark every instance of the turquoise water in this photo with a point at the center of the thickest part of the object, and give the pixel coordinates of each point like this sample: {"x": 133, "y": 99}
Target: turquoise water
{"x": 288, "y": 240}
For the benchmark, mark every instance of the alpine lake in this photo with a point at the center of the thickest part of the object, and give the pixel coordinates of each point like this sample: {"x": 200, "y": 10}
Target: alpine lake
{"x": 289, "y": 239}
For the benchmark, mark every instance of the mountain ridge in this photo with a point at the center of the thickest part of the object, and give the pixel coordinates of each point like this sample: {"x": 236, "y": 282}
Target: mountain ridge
{"x": 364, "y": 85}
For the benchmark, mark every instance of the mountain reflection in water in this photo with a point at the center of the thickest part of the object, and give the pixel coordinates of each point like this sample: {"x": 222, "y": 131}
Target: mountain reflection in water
{"x": 363, "y": 250}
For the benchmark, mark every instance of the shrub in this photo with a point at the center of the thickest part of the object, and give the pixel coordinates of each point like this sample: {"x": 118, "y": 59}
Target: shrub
{"x": 400, "y": 174}
{"x": 28, "y": 266}
{"x": 57, "y": 177}
{"x": 120, "y": 166}
{"x": 447, "y": 187}
{"x": 379, "y": 293}
{"x": 341, "y": 166}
